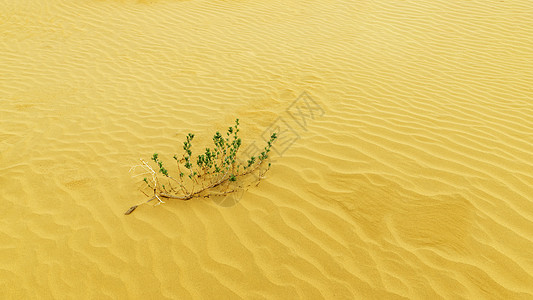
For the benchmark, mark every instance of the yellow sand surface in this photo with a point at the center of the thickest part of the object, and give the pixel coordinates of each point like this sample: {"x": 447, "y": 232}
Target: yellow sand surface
{"x": 409, "y": 176}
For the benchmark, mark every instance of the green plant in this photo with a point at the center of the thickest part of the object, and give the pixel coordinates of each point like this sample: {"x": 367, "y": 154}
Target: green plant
{"x": 215, "y": 172}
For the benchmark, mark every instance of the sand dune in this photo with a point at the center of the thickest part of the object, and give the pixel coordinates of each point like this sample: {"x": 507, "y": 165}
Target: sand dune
{"x": 414, "y": 178}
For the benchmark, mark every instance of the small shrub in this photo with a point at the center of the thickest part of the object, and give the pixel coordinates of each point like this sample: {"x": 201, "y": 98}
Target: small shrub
{"x": 215, "y": 172}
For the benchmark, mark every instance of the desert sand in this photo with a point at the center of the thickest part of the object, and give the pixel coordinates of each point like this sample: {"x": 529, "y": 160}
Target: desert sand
{"x": 412, "y": 177}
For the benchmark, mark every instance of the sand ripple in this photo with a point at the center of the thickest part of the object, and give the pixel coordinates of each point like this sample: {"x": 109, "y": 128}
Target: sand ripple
{"x": 416, "y": 182}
